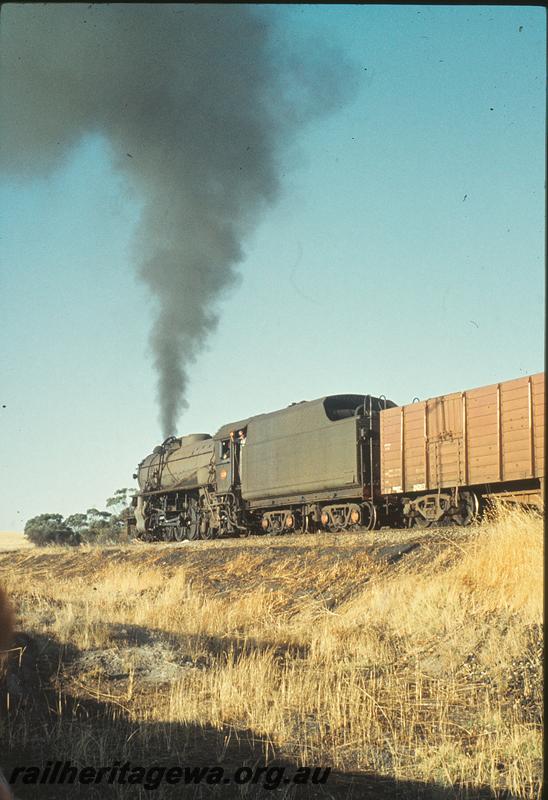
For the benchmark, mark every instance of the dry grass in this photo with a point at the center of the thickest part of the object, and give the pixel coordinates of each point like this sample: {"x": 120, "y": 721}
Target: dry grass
{"x": 426, "y": 669}
{"x": 10, "y": 540}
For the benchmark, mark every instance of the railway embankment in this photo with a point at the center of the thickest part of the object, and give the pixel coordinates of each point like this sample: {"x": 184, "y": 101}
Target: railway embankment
{"x": 407, "y": 661}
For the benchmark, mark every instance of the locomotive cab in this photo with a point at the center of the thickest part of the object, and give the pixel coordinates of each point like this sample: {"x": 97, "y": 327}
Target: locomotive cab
{"x": 224, "y": 465}
{"x": 228, "y": 456}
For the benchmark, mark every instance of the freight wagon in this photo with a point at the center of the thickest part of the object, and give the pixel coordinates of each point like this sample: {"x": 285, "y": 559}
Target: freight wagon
{"x": 346, "y": 462}
{"x": 443, "y": 457}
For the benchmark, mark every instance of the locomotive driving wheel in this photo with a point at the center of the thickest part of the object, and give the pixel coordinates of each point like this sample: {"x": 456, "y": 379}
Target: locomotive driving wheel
{"x": 179, "y": 534}
{"x": 192, "y": 522}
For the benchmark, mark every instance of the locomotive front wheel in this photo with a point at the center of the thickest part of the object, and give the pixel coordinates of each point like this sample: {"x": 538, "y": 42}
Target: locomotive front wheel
{"x": 191, "y": 523}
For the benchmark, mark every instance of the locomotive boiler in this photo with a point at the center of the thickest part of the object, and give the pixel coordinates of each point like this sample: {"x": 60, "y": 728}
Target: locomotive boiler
{"x": 347, "y": 462}
{"x": 183, "y": 463}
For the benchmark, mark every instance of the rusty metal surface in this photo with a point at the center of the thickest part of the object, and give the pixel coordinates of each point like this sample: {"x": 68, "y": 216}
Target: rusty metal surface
{"x": 493, "y": 434}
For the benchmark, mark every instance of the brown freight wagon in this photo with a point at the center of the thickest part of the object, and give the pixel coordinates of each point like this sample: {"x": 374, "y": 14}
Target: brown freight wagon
{"x": 439, "y": 457}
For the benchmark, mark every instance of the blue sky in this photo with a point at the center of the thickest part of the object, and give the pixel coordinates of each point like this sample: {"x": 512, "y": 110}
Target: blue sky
{"x": 404, "y": 257}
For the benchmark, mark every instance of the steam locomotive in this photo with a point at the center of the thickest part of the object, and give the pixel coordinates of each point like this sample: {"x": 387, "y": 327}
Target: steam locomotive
{"x": 348, "y": 462}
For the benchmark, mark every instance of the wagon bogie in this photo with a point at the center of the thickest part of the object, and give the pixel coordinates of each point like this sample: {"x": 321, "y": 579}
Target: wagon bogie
{"x": 349, "y": 516}
{"x": 279, "y": 521}
{"x": 440, "y": 508}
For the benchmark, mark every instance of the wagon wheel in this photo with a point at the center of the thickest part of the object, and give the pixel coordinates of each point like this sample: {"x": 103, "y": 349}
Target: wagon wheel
{"x": 468, "y": 509}
{"x": 418, "y": 522}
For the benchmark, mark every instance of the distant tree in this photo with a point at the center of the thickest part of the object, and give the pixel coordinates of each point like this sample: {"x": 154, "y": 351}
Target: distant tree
{"x": 98, "y": 519}
{"x": 119, "y": 500}
{"x": 120, "y": 503}
{"x": 78, "y": 522}
{"x": 93, "y": 527}
{"x": 49, "y": 529}
{"x": 102, "y": 527}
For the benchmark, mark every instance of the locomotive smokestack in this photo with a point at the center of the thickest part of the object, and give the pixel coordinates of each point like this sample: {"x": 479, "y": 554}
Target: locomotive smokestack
{"x": 196, "y": 108}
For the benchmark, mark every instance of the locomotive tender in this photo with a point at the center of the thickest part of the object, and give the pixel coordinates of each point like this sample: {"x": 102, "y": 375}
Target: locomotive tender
{"x": 347, "y": 462}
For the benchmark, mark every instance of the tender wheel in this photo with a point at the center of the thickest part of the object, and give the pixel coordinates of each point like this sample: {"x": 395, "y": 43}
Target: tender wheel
{"x": 368, "y": 516}
{"x": 276, "y": 529}
{"x": 299, "y": 523}
{"x": 336, "y": 522}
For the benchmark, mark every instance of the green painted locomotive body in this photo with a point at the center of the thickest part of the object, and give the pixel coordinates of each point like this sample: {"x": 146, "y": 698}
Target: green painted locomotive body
{"x": 271, "y": 472}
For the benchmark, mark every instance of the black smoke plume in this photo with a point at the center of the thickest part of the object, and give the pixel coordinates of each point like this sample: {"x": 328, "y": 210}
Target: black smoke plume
{"x": 197, "y": 103}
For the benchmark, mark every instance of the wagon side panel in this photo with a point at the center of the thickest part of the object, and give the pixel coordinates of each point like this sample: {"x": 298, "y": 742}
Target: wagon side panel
{"x": 414, "y": 447}
{"x": 445, "y": 441}
{"x": 538, "y": 406}
{"x": 516, "y": 434}
{"x": 482, "y": 433}
{"x": 391, "y": 451}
